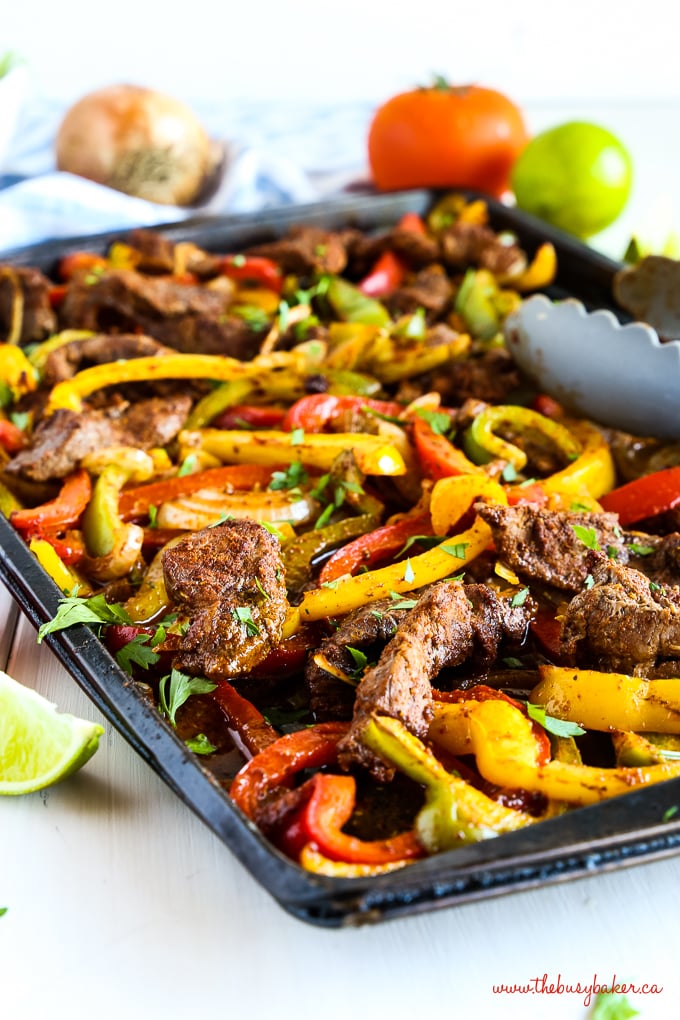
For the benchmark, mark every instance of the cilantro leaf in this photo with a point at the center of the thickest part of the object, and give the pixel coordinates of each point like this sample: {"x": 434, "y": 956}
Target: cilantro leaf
{"x": 587, "y": 535}
{"x": 520, "y": 597}
{"x": 439, "y": 421}
{"x": 74, "y": 609}
{"x": 138, "y": 652}
{"x": 294, "y": 475}
{"x": 670, "y": 813}
{"x": 409, "y": 573}
{"x": 612, "y": 1006}
{"x": 297, "y": 436}
{"x": 3, "y": 910}
{"x": 200, "y": 744}
{"x": 457, "y": 550}
{"x": 641, "y": 550}
{"x": 558, "y": 727}
{"x": 176, "y": 688}
{"x": 244, "y": 615}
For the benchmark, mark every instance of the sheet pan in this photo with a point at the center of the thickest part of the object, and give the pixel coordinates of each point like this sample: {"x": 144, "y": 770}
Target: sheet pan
{"x": 615, "y": 834}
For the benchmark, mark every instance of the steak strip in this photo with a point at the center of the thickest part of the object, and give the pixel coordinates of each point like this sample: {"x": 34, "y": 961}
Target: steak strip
{"x": 450, "y": 623}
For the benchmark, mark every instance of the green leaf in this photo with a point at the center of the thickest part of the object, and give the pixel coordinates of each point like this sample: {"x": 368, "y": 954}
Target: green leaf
{"x": 641, "y": 550}
{"x": 188, "y": 465}
{"x": 294, "y": 475}
{"x": 409, "y": 574}
{"x": 138, "y": 652}
{"x": 457, "y": 550}
{"x": 519, "y": 598}
{"x": 509, "y": 473}
{"x": 400, "y": 603}
{"x": 439, "y": 421}
{"x": 153, "y": 516}
{"x": 611, "y": 1006}
{"x": 670, "y": 813}
{"x": 297, "y": 436}
{"x": 427, "y": 542}
{"x": 587, "y": 535}
{"x": 200, "y": 744}
{"x": 176, "y": 688}
{"x": 74, "y": 609}
{"x": 3, "y": 910}
{"x": 253, "y": 315}
{"x": 558, "y": 727}
{"x": 360, "y": 659}
{"x": 244, "y": 615}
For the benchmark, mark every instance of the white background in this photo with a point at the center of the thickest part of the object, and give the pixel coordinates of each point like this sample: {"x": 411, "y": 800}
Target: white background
{"x": 533, "y": 49}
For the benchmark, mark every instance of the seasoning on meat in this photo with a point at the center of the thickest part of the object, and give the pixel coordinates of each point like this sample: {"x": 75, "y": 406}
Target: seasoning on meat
{"x": 623, "y": 622}
{"x": 229, "y": 581}
{"x": 26, "y": 314}
{"x": 543, "y": 545}
{"x": 451, "y": 622}
{"x": 61, "y": 441}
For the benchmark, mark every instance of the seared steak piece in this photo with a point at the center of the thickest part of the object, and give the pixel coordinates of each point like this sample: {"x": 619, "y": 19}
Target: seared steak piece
{"x": 430, "y": 289}
{"x": 229, "y": 581}
{"x": 451, "y": 623}
{"x": 305, "y": 250}
{"x": 417, "y": 250}
{"x": 543, "y": 545}
{"x": 64, "y": 362}
{"x": 623, "y": 623}
{"x": 490, "y": 377}
{"x": 26, "y": 293}
{"x": 466, "y": 244}
{"x": 189, "y": 318}
{"x": 366, "y": 629}
{"x": 61, "y": 441}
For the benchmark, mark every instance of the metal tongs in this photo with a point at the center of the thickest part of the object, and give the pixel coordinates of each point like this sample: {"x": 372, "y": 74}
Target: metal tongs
{"x": 626, "y": 376}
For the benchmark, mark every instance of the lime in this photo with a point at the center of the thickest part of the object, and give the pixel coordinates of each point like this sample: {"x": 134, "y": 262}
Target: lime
{"x": 577, "y": 176}
{"x": 39, "y": 745}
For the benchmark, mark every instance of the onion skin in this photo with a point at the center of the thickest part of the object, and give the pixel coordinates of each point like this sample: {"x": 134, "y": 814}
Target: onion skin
{"x": 138, "y": 141}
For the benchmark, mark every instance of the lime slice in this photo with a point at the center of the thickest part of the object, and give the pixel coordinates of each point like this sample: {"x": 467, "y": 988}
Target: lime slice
{"x": 39, "y": 745}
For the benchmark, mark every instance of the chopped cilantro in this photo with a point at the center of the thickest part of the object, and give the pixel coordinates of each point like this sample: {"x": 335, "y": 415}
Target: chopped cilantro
{"x": 294, "y": 476}
{"x": 360, "y": 659}
{"x": 589, "y": 581}
{"x": 512, "y": 663}
{"x": 409, "y": 574}
{"x": 263, "y": 592}
{"x": 22, "y": 419}
{"x": 75, "y": 609}
{"x": 509, "y": 473}
{"x": 653, "y": 586}
{"x": 3, "y": 910}
{"x": 297, "y": 436}
{"x": 331, "y": 584}
{"x": 670, "y": 812}
{"x": 137, "y": 652}
{"x": 439, "y": 421}
{"x": 244, "y": 615}
{"x": 253, "y": 315}
{"x": 427, "y": 542}
{"x": 520, "y": 597}
{"x": 200, "y": 744}
{"x": 188, "y": 465}
{"x": 175, "y": 688}
{"x": 457, "y": 550}
{"x": 153, "y": 516}
{"x": 586, "y": 535}
{"x": 641, "y": 550}
{"x": 558, "y": 727}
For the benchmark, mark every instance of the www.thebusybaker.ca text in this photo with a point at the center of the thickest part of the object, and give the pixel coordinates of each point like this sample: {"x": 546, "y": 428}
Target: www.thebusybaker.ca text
{"x": 547, "y": 986}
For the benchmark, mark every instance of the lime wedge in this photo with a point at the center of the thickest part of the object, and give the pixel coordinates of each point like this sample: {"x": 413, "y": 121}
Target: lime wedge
{"x": 39, "y": 745}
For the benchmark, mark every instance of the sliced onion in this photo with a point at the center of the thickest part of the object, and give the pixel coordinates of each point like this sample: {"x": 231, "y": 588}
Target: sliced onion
{"x": 138, "y": 141}
{"x": 208, "y": 506}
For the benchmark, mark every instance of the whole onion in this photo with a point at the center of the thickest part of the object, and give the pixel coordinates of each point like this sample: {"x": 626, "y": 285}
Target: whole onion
{"x": 138, "y": 141}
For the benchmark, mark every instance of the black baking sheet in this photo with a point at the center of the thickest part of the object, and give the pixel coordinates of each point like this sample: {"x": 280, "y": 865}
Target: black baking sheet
{"x": 610, "y": 835}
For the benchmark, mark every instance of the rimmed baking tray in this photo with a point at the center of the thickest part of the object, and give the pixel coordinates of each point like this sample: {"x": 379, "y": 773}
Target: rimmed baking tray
{"x": 614, "y": 834}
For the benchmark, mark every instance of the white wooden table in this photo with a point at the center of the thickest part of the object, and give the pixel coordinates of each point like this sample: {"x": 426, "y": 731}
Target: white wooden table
{"x": 122, "y": 904}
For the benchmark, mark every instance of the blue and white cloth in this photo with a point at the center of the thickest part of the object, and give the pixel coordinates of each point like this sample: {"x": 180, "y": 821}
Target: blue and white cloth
{"x": 277, "y": 155}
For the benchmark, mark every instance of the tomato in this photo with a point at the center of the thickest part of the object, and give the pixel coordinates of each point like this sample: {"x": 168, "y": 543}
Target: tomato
{"x": 446, "y": 136}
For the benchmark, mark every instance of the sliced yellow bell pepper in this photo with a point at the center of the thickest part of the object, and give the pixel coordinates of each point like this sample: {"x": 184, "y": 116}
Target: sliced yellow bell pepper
{"x": 451, "y": 498}
{"x": 540, "y": 272}
{"x": 592, "y": 473}
{"x": 66, "y": 578}
{"x": 312, "y": 860}
{"x": 482, "y": 444}
{"x": 39, "y": 355}
{"x": 373, "y": 455}
{"x": 609, "y": 701}
{"x": 502, "y": 740}
{"x": 16, "y": 371}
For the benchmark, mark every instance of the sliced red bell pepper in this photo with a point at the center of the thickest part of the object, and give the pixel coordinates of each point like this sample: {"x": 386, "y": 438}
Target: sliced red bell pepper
{"x": 547, "y": 629}
{"x": 70, "y": 547}
{"x": 439, "y": 458}
{"x": 374, "y": 547}
{"x": 288, "y": 657}
{"x": 253, "y": 269}
{"x": 413, "y": 222}
{"x": 59, "y": 513}
{"x": 136, "y": 502}
{"x": 532, "y": 494}
{"x": 277, "y": 765}
{"x": 314, "y": 412}
{"x": 547, "y": 406}
{"x": 80, "y": 261}
{"x": 250, "y": 416}
{"x": 56, "y": 295}
{"x": 12, "y": 439}
{"x": 644, "y": 497}
{"x": 244, "y": 718}
{"x": 386, "y": 275}
{"x": 329, "y": 808}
